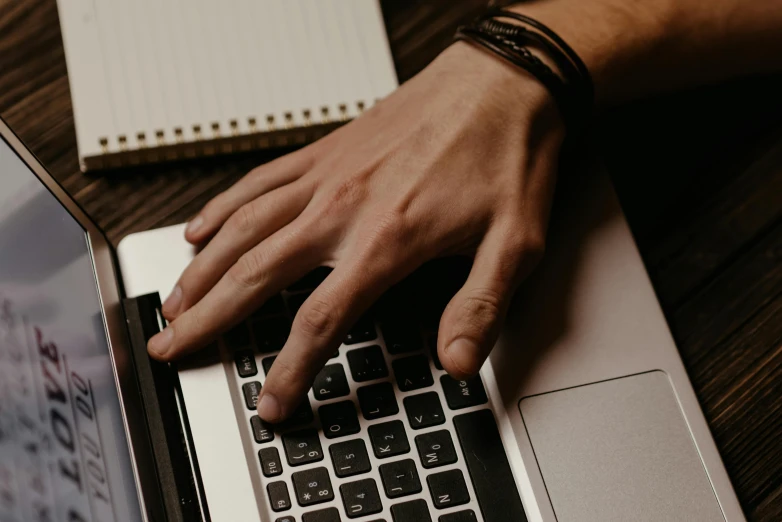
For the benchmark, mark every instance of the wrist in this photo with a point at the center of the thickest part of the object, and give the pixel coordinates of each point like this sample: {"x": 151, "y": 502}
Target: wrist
{"x": 501, "y": 87}
{"x": 616, "y": 39}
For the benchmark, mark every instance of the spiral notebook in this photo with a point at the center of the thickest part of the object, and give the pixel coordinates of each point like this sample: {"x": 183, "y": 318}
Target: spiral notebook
{"x": 155, "y": 80}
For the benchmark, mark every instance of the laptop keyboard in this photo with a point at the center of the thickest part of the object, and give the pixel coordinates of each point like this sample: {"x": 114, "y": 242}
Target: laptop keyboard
{"x": 383, "y": 436}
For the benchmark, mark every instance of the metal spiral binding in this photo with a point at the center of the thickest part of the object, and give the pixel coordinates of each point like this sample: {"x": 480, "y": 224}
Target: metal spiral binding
{"x": 218, "y": 139}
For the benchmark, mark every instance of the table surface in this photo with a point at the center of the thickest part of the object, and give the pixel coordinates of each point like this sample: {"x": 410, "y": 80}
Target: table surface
{"x": 699, "y": 175}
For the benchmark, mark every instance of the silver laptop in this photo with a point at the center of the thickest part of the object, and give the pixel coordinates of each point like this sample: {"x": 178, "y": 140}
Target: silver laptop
{"x": 584, "y": 411}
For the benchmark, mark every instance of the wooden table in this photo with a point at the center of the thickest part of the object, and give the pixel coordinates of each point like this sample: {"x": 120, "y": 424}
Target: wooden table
{"x": 699, "y": 175}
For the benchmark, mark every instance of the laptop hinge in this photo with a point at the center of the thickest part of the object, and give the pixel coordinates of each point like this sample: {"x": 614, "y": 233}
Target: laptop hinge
{"x": 169, "y": 432}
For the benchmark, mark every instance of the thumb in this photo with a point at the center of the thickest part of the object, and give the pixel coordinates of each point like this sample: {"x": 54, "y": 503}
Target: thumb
{"x": 472, "y": 320}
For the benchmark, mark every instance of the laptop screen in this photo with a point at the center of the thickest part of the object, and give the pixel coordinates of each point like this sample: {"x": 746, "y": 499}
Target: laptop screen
{"x": 63, "y": 451}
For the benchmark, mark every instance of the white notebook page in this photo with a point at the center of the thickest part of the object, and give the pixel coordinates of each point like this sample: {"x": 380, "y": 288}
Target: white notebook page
{"x": 152, "y": 73}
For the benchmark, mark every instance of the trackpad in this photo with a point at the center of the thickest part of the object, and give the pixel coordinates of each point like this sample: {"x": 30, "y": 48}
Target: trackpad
{"x": 619, "y": 450}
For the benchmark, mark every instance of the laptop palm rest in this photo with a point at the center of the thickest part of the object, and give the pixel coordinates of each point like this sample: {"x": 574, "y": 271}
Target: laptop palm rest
{"x": 619, "y": 450}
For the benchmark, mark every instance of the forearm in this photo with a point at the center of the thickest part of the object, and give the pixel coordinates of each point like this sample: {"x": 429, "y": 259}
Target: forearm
{"x": 638, "y": 47}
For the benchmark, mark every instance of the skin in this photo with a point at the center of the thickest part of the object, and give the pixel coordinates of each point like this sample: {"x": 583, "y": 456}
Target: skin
{"x": 461, "y": 159}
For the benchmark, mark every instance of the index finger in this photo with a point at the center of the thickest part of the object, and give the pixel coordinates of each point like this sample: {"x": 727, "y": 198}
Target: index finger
{"x": 258, "y": 275}
{"x": 319, "y": 328}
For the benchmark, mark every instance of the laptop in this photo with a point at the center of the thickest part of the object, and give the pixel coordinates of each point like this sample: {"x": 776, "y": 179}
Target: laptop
{"x": 584, "y": 411}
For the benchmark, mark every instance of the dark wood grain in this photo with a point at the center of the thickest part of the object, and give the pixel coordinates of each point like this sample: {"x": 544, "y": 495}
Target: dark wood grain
{"x": 699, "y": 175}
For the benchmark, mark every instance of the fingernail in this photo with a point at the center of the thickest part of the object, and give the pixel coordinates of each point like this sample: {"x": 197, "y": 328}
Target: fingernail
{"x": 173, "y": 301}
{"x": 269, "y": 408}
{"x": 194, "y": 224}
{"x": 161, "y": 343}
{"x": 464, "y": 354}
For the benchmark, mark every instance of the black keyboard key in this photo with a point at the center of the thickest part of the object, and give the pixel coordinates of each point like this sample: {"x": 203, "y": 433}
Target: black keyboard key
{"x": 302, "y": 447}
{"x": 271, "y": 333}
{"x": 287, "y": 518}
{"x": 245, "y": 363}
{"x": 339, "y": 419}
{"x": 389, "y": 439}
{"x": 251, "y": 390}
{"x": 362, "y": 331}
{"x": 431, "y": 340}
{"x": 460, "y": 516}
{"x": 273, "y": 306}
{"x": 323, "y": 515}
{"x": 413, "y": 511}
{"x": 301, "y": 416}
{"x": 361, "y": 498}
{"x": 279, "y": 498}
{"x": 330, "y": 382}
{"x": 463, "y": 394}
{"x": 412, "y": 373}
{"x": 312, "y": 280}
{"x": 491, "y": 475}
{"x": 424, "y": 410}
{"x": 312, "y": 486}
{"x": 237, "y": 337}
{"x": 350, "y": 458}
{"x": 401, "y": 335}
{"x": 377, "y": 400}
{"x": 400, "y": 478}
{"x": 436, "y": 449}
{"x": 270, "y": 462}
{"x": 262, "y": 430}
{"x": 267, "y": 363}
{"x": 367, "y": 364}
{"x": 448, "y": 489}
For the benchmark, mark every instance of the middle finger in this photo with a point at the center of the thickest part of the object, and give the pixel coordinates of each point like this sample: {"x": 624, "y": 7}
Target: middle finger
{"x": 247, "y": 227}
{"x": 259, "y": 274}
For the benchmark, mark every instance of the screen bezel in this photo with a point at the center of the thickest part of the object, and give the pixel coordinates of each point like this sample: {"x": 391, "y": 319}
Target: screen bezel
{"x": 109, "y": 294}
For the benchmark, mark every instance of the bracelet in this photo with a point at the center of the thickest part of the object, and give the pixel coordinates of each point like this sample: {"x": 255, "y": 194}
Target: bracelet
{"x": 572, "y": 89}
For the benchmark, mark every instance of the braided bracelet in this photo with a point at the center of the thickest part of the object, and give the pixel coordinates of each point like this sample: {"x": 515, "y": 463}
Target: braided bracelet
{"x": 571, "y": 86}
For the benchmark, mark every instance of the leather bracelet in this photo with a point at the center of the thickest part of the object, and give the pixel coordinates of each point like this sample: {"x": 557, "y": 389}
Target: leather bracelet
{"x": 571, "y": 87}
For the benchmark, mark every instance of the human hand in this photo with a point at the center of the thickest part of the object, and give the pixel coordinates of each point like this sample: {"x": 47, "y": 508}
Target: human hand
{"x": 459, "y": 160}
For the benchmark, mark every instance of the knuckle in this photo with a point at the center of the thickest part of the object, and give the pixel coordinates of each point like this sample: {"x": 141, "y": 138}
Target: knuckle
{"x": 522, "y": 250}
{"x": 392, "y": 227}
{"x": 345, "y": 195}
{"x": 482, "y": 305}
{"x": 248, "y": 271}
{"x": 316, "y": 318}
{"x": 385, "y": 236}
{"x": 534, "y": 245}
{"x": 244, "y": 220}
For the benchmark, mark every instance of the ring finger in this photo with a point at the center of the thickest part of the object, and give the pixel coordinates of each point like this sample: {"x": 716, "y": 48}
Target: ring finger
{"x": 247, "y": 227}
{"x": 257, "y": 182}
